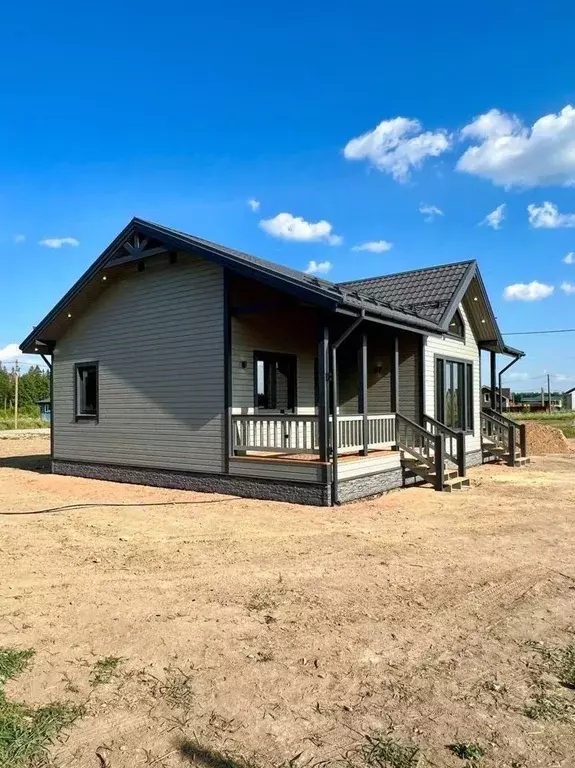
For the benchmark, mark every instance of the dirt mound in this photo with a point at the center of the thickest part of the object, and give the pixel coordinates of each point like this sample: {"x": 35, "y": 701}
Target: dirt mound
{"x": 543, "y": 439}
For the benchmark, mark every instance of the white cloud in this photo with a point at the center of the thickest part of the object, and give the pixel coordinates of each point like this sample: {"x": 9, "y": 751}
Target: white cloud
{"x": 509, "y": 153}
{"x": 568, "y": 288}
{"x": 491, "y": 125}
{"x": 9, "y": 353}
{"x": 570, "y": 258}
{"x": 289, "y": 227}
{"x": 547, "y": 216}
{"x": 19, "y": 239}
{"x": 12, "y": 353}
{"x": 58, "y": 242}
{"x": 318, "y": 267}
{"x": 254, "y": 204}
{"x": 527, "y": 291}
{"x": 495, "y": 218}
{"x": 396, "y": 146}
{"x": 374, "y": 246}
{"x": 430, "y": 212}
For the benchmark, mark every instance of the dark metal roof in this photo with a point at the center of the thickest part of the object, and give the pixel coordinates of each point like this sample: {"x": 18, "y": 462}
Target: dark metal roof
{"x": 423, "y": 300}
{"x": 428, "y": 291}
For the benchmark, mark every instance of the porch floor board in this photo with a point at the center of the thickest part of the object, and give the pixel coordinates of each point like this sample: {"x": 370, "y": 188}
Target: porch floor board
{"x": 311, "y": 457}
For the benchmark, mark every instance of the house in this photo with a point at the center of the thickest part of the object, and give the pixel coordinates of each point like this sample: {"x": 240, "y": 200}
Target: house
{"x": 538, "y": 401}
{"x": 569, "y": 400}
{"x": 45, "y": 408}
{"x": 181, "y": 363}
{"x": 506, "y": 398}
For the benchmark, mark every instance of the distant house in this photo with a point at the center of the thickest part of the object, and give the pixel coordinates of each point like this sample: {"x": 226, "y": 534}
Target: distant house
{"x": 569, "y": 399}
{"x": 506, "y": 398}
{"x": 45, "y": 409}
{"x": 538, "y": 400}
{"x": 183, "y": 363}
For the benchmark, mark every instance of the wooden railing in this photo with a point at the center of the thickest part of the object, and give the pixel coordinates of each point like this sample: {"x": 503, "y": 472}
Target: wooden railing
{"x": 426, "y": 447}
{"x": 290, "y": 433}
{"x": 454, "y": 441}
{"x": 504, "y": 432}
{"x": 281, "y": 433}
{"x": 380, "y": 432}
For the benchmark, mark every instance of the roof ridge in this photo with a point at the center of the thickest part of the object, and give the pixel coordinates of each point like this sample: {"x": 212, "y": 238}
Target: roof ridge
{"x": 410, "y": 271}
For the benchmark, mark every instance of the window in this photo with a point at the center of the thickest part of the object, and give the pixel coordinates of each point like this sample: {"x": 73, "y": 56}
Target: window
{"x": 456, "y": 326}
{"x": 274, "y": 381}
{"x": 454, "y": 394}
{"x": 86, "y": 391}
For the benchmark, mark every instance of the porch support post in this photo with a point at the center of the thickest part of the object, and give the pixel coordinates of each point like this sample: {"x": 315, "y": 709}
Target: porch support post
{"x": 228, "y": 427}
{"x": 493, "y": 357}
{"x": 395, "y": 375}
{"x": 363, "y": 392}
{"x": 323, "y": 394}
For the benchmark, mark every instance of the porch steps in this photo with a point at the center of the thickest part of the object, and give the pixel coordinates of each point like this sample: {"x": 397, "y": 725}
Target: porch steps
{"x": 490, "y": 448}
{"x": 451, "y": 479}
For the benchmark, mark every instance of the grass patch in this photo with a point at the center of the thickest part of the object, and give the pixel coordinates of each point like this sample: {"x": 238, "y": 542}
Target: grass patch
{"x": 177, "y": 688}
{"x": 26, "y": 732}
{"x": 548, "y": 703}
{"x": 12, "y": 662}
{"x": 467, "y": 750}
{"x": 104, "y": 670}
{"x": 376, "y": 751}
{"x": 24, "y": 422}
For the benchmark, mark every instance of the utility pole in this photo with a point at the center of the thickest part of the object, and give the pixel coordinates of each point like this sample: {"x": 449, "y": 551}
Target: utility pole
{"x": 549, "y": 392}
{"x": 16, "y": 372}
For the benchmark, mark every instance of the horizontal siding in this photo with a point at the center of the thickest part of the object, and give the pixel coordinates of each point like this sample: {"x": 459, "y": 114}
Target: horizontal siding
{"x": 348, "y": 469}
{"x": 290, "y": 332}
{"x": 459, "y": 349}
{"x": 158, "y": 338}
{"x": 302, "y": 471}
{"x": 409, "y": 379}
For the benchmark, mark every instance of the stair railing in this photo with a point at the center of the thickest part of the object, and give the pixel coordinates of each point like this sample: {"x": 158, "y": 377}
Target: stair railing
{"x": 425, "y": 446}
{"x": 454, "y": 441}
{"x": 503, "y": 435}
{"x": 520, "y": 440}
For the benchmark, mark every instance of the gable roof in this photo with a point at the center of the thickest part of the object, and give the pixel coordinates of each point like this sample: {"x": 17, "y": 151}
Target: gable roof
{"x": 419, "y": 301}
{"x": 436, "y": 293}
{"x": 429, "y": 291}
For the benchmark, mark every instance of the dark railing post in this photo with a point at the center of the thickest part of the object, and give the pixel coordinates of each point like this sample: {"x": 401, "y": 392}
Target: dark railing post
{"x": 511, "y": 444}
{"x": 461, "y": 469}
{"x": 363, "y": 393}
{"x": 439, "y": 456}
{"x": 323, "y": 394}
{"x": 523, "y": 439}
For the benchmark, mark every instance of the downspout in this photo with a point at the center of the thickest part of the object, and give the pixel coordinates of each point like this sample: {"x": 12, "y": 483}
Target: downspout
{"x": 501, "y": 372}
{"x": 334, "y": 400}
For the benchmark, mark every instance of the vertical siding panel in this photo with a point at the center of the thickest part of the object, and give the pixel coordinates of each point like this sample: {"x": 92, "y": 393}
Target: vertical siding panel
{"x": 158, "y": 338}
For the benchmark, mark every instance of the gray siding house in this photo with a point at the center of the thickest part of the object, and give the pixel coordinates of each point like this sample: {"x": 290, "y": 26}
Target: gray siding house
{"x": 182, "y": 363}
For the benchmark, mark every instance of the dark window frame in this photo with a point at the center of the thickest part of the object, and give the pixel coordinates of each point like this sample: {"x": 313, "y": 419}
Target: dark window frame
{"x": 454, "y": 334}
{"x": 78, "y": 415}
{"x": 467, "y": 396}
{"x": 269, "y": 356}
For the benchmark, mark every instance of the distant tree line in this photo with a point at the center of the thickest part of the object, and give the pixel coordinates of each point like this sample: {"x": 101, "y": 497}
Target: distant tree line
{"x": 32, "y": 386}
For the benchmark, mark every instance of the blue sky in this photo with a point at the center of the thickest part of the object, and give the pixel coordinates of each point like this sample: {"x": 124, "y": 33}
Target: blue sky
{"x": 182, "y": 112}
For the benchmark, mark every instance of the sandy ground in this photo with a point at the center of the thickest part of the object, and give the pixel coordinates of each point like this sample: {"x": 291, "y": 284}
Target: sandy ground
{"x": 271, "y": 630}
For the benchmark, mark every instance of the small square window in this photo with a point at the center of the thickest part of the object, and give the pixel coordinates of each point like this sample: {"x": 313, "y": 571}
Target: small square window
{"x": 86, "y": 391}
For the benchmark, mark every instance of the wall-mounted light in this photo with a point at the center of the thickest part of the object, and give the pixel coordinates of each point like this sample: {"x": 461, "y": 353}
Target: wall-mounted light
{"x": 483, "y": 321}
{"x": 244, "y": 363}
{"x": 69, "y": 315}
{"x": 104, "y": 278}
{"x": 475, "y": 298}
{"x": 378, "y": 368}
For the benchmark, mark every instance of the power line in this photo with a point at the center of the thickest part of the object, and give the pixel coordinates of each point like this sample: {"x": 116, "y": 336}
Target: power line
{"x": 534, "y": 333}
